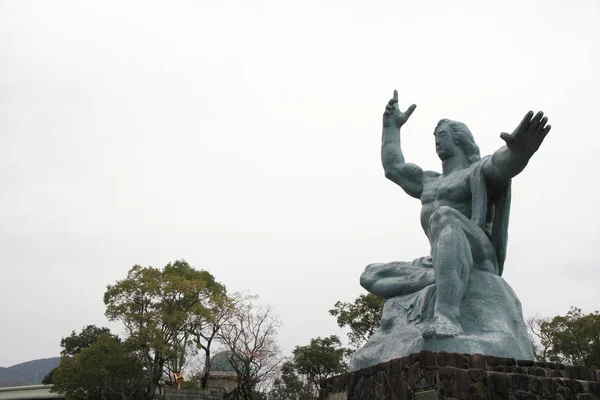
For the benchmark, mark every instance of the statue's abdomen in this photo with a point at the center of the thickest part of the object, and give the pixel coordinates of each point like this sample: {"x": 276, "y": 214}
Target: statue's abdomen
{"x": 453, "y": 191}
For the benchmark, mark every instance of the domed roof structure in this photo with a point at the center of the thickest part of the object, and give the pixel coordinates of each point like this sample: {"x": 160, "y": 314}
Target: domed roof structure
{"x": 221, "y": 362}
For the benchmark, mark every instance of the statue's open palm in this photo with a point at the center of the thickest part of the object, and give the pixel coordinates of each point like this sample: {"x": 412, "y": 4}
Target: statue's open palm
{"x": 529, "y": 135}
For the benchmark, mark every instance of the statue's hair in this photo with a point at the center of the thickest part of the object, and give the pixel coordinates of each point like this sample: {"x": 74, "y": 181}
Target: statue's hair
{"x": 465, "y": 137}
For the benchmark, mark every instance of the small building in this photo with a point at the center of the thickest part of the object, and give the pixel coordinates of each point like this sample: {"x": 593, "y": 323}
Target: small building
{"x": 222, "y": 374}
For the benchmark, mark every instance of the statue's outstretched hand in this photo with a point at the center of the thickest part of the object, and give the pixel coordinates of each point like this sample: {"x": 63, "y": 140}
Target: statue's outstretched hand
{"x": 393, "y": 117}
{"x": 529, "y": 135}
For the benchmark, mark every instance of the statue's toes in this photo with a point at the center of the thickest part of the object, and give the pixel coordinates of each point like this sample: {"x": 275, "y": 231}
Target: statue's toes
{"x": 441, "y": 330}
{"x": 447, "y": 330}
{"x": 446, "y": 333}
{"x": 428, "y": 333}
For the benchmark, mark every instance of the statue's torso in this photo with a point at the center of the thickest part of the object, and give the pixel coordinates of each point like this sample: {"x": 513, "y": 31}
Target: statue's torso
{"x": 453, "y": 190}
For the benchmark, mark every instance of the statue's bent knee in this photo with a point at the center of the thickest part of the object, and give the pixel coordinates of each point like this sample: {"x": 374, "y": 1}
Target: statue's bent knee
{"x": 369, "y": 277}
{"x": 443, "y": 217}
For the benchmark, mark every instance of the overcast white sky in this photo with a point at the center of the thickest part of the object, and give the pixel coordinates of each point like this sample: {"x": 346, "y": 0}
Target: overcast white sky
{"x": 243, "y": 137}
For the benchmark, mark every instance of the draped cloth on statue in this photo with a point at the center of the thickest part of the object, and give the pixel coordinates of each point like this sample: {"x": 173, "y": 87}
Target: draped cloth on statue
{"x": 491, "y": 212}
{"x": 409, "y": 288}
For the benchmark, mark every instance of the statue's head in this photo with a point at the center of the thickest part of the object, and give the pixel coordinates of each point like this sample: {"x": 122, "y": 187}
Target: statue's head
{"x": 452, "y": 137}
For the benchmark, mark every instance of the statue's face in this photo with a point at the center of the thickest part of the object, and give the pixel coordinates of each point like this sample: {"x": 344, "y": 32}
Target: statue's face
{"x": 444, "y": 143}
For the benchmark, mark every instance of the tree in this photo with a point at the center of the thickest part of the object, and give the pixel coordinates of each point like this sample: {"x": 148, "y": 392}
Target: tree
{"x": 204, "y": 329}
{"x": 362, "y": 317}
{"x": 105, "y": 370}
{"x": 540, "y": 340}
{"x": 290, "y": 386}
{"x": 573, "y": 338}
{"x": 249, "y": 337}
{"x": 75, "y": 343}
{"x": 321, "y": 359}
{"x": 158, "y": 307}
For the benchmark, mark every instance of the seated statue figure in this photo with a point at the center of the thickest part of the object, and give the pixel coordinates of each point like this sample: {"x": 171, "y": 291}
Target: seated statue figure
{"x": 454, "y": 299}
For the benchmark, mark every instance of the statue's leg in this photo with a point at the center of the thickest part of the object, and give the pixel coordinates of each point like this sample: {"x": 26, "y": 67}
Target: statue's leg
{"x": 397, "y": 278}
{"x": 457, "y": 244}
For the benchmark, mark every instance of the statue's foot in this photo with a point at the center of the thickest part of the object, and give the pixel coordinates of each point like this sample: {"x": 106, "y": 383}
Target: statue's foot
{"x": 442, "y": 327}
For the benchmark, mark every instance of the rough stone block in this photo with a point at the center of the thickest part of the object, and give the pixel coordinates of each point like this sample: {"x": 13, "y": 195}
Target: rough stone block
{"x": 477, "y": 361}
{"x": 547, "y": 387}
{"x": 455, "y": 360}
{"x": 413, "y": 358}
{"x": 585, "y": 396}
{"x": 555, "y": 373}
{"x": 498, "y": 385}
{"x": 537, "y": 371}
{"x": 519, "y": 382}
{"x": 427, "y": 359}
{"x": 477, "y": 390}
{"x": 574, "y": 385}
{"x": 454, "y": 382}
{"x": 493, "y": 361}
{"x": 523, "y": 395}
{"x": 594, "y": 388}
{"x": 578, "y": 372}
{"x": 502, "y": 368}
{"x": 477, "y": 375}
{"x": 525, "y": 363}
{"x": 430, "y": 376}
{"x": 552, "y": 365}
{"x": 565, "y": 393}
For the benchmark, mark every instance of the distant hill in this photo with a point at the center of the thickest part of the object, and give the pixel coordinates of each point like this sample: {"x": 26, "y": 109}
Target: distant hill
{"x": 27, "y": 373}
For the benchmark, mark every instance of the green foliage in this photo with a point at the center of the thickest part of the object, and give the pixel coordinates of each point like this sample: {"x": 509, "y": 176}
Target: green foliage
{"x": 290, "y": 386}
{"x": 105, "y": 370}
{"x": 322, "y": 358}
{"x": 75, "y": 343}
{"x": 362, "y": 317}
{"x": 49, "y": 376}
{"x": 159, "y": 309}
{"x": 300, "y": 377}
{"x": 573, "y": 338}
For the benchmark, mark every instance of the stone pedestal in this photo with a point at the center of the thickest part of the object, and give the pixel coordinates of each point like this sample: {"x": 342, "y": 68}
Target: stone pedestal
{"x": 430, "y": 375}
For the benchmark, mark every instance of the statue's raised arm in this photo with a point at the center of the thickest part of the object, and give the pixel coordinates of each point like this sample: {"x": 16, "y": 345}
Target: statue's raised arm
{"x": 525, "y": 140}
{"x": 408, "y": 176}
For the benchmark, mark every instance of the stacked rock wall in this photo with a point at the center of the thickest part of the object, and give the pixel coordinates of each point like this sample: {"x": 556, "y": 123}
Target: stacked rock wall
{"x": 441, "y": 375}
{"x": 192, "y": 394}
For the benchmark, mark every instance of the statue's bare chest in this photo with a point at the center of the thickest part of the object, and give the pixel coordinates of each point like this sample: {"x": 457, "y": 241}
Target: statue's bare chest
{"x": 452, "y": 188}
